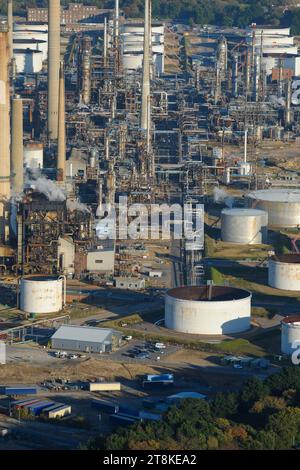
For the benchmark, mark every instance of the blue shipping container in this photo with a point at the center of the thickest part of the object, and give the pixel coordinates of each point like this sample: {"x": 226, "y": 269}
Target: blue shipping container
{"x": 38, "y": 407}
{"x": 122, "y": 419}
{"x": 129, "y": 411}
{"x": 20, "y": 391}
{"x": 105, "y": 406}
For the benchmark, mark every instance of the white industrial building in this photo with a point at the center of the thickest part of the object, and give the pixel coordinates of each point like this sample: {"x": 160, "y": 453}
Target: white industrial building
{"x": 84, "y": 339}
{"x": 33, "y": 155}
{"x": 277, "y": 45}
{"x": 101, "y": 258}
{"x": 130, "y": 283}
{"x": 133, "y": 46}
{"x": 208, "y": 310}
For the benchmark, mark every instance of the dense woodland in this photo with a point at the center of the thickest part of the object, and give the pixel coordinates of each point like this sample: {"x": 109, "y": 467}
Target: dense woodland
{"x": 221, "y": 12}
{"x": 262, "y": 415}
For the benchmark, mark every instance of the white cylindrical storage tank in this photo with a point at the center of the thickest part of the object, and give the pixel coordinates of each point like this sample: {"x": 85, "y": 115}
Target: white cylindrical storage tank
{"x": 41, "y": 294}
{"x": 284, "y": 272}
{"x": 33, "y": 44}
{"x": 31, "y": 27}
{"x": 245, "y": 226}
{"x": 290, "y": 334}
{"x": 208, "y": 310}
{"x": 282, "y": 206}
{"x": 132, "y": 61}
{"x": 33, "y": 155}
{"x": 28, "y": 61}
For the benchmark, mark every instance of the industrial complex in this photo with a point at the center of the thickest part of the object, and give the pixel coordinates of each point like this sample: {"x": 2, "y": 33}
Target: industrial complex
{"x": 149, "y": 215}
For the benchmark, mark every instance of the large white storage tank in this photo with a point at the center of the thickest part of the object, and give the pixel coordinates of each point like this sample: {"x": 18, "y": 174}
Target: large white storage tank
{"x": 28, "y": 61}
{"x": 290, "y": 334}
{"x": 31, "y": 27}
{"x": 208, "y": 310}
{"x": 245, "y": 226}
{"x": 33, "y": 155}
{"x": 33, "y": 44}
{"x": 42, "y": 294}
{"x": 284, "y": 272}
{"x": 282, "y": 206}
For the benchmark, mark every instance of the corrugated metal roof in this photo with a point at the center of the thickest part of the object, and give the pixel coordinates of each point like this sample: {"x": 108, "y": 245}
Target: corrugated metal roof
{"x": 82, "y": 333}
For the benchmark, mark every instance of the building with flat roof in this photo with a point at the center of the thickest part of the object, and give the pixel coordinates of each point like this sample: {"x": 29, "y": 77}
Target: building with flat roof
{"x": 85, "y": 339}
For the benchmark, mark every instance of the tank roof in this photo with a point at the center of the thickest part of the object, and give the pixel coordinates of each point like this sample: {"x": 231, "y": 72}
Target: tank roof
{"x": 40, "y": 278}
{"x": 201, "y": 293}
{"x": 292, "y": 319}
{"x": 293, "y": 258}
{"x": 276, "y": 195}
{"x": 243, "y": 212}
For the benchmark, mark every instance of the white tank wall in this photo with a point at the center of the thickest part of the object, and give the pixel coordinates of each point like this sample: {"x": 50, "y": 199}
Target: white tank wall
{"x": 38, "y": 35}
{"x": 41, "y": 46}
{"x": 28, "y": 62}
{"x": 290, "y": 332}
{"x": 244, "y": 226}
{"x": 139, "y": 29}
{"x": 41, "y": 296}
{"x": 284, "y": 276}
{"x": 33, "y": 157}
{"x": 283, "y": 207}
{"x": 208, "y": 318}
{"x": 30, "y": 27}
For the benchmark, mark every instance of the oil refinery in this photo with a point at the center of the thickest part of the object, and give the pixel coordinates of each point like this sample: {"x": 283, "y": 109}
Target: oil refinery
{"x": 149, "y": 220}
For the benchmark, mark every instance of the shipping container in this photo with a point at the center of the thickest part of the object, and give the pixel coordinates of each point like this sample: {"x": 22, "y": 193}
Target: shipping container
{"x": 18, "y": 405}
{"x": 129, "y": 411}
{"x": 123, "y": 420}
{"x": 160, "y": 378}
{"x": 104, "y": 386}
{"x": 37, "y": 408}
{"x": 57, "y": 411}
{"x": 105, "y": 406}
{"x": 19, "y": 391}
{"x": 157, "y": 384}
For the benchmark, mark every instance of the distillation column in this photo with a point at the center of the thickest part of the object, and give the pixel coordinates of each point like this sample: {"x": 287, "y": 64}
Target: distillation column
{"x": 146, "y": 71}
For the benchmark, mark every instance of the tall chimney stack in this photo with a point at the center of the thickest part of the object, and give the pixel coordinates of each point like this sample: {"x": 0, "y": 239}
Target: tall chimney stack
{"x": 61, "y": 149}
{"x": 17, "y": 152}
{"x": 53, "y": 66}
{"x": 117, "y": 21}
{"x": 10, "y": 28}
{"x": 4, "y": 130}
{"x": 146, "y": 69}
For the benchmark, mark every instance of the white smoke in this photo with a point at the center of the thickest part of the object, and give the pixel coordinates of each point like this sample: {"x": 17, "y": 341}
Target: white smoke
{"x": 221, "y": 196}
{"x": 48, "y": 188}
{"x": 76, "y": 206}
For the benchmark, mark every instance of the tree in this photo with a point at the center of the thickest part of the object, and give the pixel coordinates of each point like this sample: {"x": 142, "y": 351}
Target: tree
{"x": 287, "y": 378}
{"x": 254, "y": 389}
{"x": 285, "y": 426}
{"x": 224, "y": 405}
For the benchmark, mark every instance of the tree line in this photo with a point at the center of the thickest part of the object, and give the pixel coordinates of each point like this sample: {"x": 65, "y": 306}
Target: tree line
{"x": 263, "y": 415}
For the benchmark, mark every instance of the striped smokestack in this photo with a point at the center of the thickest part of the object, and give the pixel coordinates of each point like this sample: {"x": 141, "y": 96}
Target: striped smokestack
{"x": 61, "y": 150}
{"x": 53, "y": 66}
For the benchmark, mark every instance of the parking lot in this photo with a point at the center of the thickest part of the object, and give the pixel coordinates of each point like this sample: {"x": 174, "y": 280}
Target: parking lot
{"x": 144, "y": 351}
